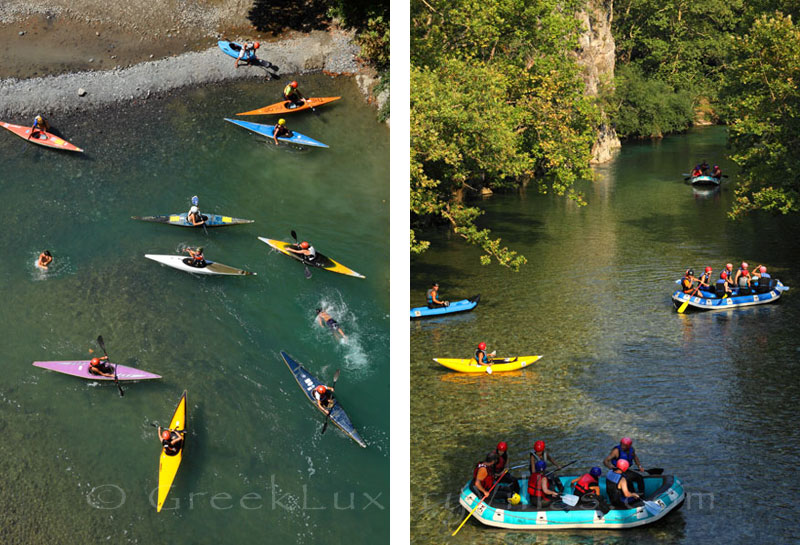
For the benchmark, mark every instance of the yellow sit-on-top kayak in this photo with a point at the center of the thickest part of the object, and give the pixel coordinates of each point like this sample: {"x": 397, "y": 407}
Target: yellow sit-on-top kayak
{"x": 168, "y": 465}
{"x": 498, "y": 365}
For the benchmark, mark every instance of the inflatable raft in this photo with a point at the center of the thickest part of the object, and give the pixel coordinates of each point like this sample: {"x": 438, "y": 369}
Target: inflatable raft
{"x": 665, "y": 490}
{"x": 455, "y": 306}
{"x": 705, "y": 181}
{"x": 758, "y": 295}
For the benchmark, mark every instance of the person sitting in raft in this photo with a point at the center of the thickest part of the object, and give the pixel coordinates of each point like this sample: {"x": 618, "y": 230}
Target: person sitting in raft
{"x": 246, "y": 48}
{"x": 688, "y": 281}
{"x": 280, "y": 130}
{"x": 705, "y": 278}
{"x": 101, "y": 367}
{"x": 506, "y": 481}
{"x": 625, "y": 452}
{"x": 696, "y": 171}
{"x": 539, "y": 452}
{"x": 730, "y": 274}
{"x": 742, "y": 279}
{"x": 305, "y": 249}
{"x": 617, "y": 486}
{"x": 40, "y": 124}
{"x": 325, "y": 320}
{"x": 483, "y": 479}
{"x": 45, "y": 258}
{"x": 197, "y": 257}
{"x": 539, "y": 488}
{"x": 323, "y": 395}
{"x": 723, "y": 287}
{"x": 759, "y": 273}
{"x": 171, "y": 440}
{"x": 742, "y": 271}
{"x": 588, "y": 483}
{"x": 432, "y": 296}
{"x": 716, "y": 172}
{"x": 481, "y": 356}
{"x": 704, "y": 167}
{"x": 293, "y": 95}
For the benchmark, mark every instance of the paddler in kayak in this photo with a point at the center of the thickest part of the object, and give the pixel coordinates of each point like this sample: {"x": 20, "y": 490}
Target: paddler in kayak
{"x": 248, "y": 47}
{"x": 101, "y": 367}
{"x": 194, "y": 216}
{"x": 197, "y": 259}
{"x": 280, "y": 130}
{"x": 326, "y": 321}
{"x": 432, "y": 296}
{"x": 324, "y": 397}
{"x": 293, "y": 95}
{"x": 171, "y": 441}
{"x": 482, "y": 357}
{"x": 624, "y": 452}
{"x": 305, "y": 249}
{"x": 45, "y": 258}
{"x": 40, "y": 124}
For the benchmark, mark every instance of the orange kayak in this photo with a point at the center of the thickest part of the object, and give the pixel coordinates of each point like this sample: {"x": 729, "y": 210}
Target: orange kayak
{"x": 42, "y": 138}
{"x": 280, "y": 107}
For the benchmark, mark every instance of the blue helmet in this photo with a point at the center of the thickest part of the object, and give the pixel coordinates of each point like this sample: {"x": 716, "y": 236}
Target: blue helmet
{"x": 540, "y": 465}
{"x": 595, "y": 472}
{"x": 195, "y": 200}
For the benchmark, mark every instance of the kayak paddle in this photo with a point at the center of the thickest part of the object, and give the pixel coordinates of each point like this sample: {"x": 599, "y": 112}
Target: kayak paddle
{"x": 307, "y": 272}
{"x": 116, "y": 380}
{"x": 479, "y": 503}
{"x": 328, "y": 416}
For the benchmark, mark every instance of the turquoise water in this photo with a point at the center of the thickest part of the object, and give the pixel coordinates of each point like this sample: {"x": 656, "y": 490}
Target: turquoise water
{"x": 79, "y": 462}
{"x": 709, "y": 397}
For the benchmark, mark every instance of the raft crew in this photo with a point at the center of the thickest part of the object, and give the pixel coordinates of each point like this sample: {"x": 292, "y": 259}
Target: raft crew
{"x": 325, "y": 320}
{"x": 617, "y": 486}
{"x": 197, "y": 257}
{"x": 704, "y": 167}
{"x": 304, "y": 249}
{"x": 705, "y": 278}
{"x": 742, "y": 279}
{"x": 323, "y": 395}
{"x": 45, "y": 258}
{"x": 624, "y": 452}
{"x": 688, "y": 281}
{"x": 588, "y": 483}
{"x": 246, "y": 48}
{"x": 730, "y": 274}
{"x": 696, "y": 172}
{"x": 294, "y": 96}
{"x": 40, "y": 124}
{"x": 539, "y": 452}
{"x": 722, "y": 287}
{"x": 171, "y": 440}
{"x": 481, "y": 357}
{"x": 716, "y": 172}
{"x": 101, "y": 367}
{"x": 504, "y": 480}
{"x": 280, "y": 130}
{"x": 432, "y": 296}
{"x": 539, "y": 487}
{"x": 483, "y": 478}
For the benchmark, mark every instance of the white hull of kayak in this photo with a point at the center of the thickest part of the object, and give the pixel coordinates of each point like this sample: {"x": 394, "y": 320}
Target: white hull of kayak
{"x": 211, "y": 268}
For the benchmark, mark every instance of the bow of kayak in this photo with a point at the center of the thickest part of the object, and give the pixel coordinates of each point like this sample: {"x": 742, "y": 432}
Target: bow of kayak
{"x": 232, "y": 49}
{"x": 463, "y": 305}
{"x": 211, "y": 220}
{"x": 168, "y": 465}
{"x": 321, "y": 261}
{"x": 183, "y": 264}
{"x": 42, "y": 138}
{"x": 80, "y": 368}
{"x": 267, "y": 130}
{"x": 282, "y": 108}
{"x": 469, "y": 365}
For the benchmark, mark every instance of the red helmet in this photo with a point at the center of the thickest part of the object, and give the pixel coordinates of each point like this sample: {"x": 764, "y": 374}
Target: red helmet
{"x": 165, "y": 435}
{"x": 321, "y": 389}
{"x": 304, "y": 245}
{"x": 623, "y": 464}
{"x": 256, "y": 45}
{"x": 95, "y": 361}
{"x": 626, "y": 441}
{"x": 294, "y": 85}
{"x": 708, "y": 269}
{"x": 502, "y": 445}
{"x": 538, "y": 446}
{"x": 481, "y": 346}
{"x": 723, "y": 275}
{"x": 744, "y": 264}
{"x": 763, "y": 269}
{"x": 729, "y": 266}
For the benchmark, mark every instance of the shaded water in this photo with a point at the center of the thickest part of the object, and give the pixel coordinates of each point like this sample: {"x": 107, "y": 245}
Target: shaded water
{"x": 709, "y": 397}
{"x": 78, "y": 463}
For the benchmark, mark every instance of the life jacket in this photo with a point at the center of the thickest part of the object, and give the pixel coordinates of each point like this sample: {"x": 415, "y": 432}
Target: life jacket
{"x": 743, "y": 278}
{"x": 280, "y": 130}
{"x": 542, "y": 458}
{"x": 582, "y": 486}
{"x": 696, "y": 172}
{"x": 612, "y": 487}
{"x": 686, "y": 284}
{"x": 624, "y": 455}
{"x": 429, "y": 295}
{"x": 765, "y": 275}
{"x": 169, "y": 449}
{"x": 705, "y": 277}
{"x": 480, "y": 356}
{"x": 500, "y": 465}
{"x": 102, "y": 367}
{"x": 288, "y": 91}
{"x": 488, "y": 481}
{"x": 535, "y": 484}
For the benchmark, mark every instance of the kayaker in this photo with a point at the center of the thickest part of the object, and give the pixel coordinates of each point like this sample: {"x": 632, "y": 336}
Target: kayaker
{"x": 195, "y": 217}
{"x": 293, "y": 95}
{"x": 432, "y": 295}
{"x": 45, "y": 258}
{"x": 246, "y": 48}
{"x": 304, "y": 249}
{"x": 539, "y": 488}
{"x": 625, "y": 452}
{"x": 101, "y": 367}
{"x": 325, "y": 320}
{"x": 171, "y": 441}
{"x": 280, "y": 130}
{"x": 324, "y": 397}
{"x": 723, "y": 287}
{"x": 197, "y": 257}
{"x": 507, "y": 481}
{"x": 588, "y": 483}
{"x": 481, "y": 356}
{"x": 40, "y": 124}
{"x": 716, "y": 172}
{"x": 617, "y": 486}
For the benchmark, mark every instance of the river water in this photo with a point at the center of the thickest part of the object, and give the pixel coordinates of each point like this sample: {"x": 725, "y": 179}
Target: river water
{"x": 78, "y": 462}
{"x": 709, "y": 397}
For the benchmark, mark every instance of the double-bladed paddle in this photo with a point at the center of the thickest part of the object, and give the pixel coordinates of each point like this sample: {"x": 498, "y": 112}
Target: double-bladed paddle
{"x": 328, "y": 415}
{"x": 116, "y": 380}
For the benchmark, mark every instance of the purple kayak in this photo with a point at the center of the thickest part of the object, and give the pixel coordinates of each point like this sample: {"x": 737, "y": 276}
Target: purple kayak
{"x": 81, "y": 369}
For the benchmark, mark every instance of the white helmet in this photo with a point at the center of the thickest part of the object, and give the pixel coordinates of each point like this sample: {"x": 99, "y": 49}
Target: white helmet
{"x": 194, "y": 210}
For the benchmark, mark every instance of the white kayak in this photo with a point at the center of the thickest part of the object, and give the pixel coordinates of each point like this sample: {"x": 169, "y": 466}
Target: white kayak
{"x": 183, "y": 264}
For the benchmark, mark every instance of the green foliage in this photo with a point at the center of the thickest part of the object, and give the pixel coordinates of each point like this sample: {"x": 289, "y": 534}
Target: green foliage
{"x": 357, "y": 13}
{"x": 374, "y": 42}
{"x": 763, "y": 106}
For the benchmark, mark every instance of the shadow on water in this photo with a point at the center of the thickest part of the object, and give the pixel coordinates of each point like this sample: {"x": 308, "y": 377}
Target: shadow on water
{"x": 277, "y": 15}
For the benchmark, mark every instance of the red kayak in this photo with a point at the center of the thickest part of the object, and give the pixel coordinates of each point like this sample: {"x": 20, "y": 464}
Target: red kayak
{"x": 42, "y": 138}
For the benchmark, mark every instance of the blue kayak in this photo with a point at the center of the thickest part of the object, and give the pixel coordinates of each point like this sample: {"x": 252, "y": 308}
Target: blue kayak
{"x": 211, "y": 220}
{"x": 233, "y": 49}
{"x": 740, "y": 297}
{"x": 456, "y": 306}
{"x": 267, "y": 130}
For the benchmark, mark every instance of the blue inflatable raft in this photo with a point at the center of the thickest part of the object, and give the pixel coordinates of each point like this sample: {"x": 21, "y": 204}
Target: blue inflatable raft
{"x": 456, "y": 306}
{"x": 665, "y": 490}
{"x": 759, "y": 295}
{"x": 267, "y": 130}
{"x": 705, "y": 180}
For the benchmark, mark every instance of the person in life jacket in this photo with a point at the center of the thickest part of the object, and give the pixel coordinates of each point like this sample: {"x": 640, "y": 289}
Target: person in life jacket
{"x": 619, "y": 495}
{"x": 101, "y": 367}
{"x": 293, "y": 95}
{"x": 171, "y": 440}
{"x": 588, "y": 483}
{"x": 432, "y": 296}
{"x": 539, "y": 486}
{"x": 40, "y": 124}
{"x": 323, "y": 395}
{"x": 483, "y": 478}
{"x": 280, "y": 131}
{"x": 704, "y": 167}
{"x": 624, "y": 451}
{"x": 705, "y": 278}
{"x": 730, "y": 274}
{"x": 688, "y": 280}
{"x": 742, "y": 279}
{"x": 324, "y": 319}
{"x": 696, "y": 171}
{"x": 194, "y": 216}
{"x": 248, "y": 47}
{"x": 716, "y": 172}
{"x": 481, "y": 356}
{"x": 305, "y": 249}
{"x": 724, "y": 287}
{"x": 197, "y": 257}
{"x": 506, "y": 480}
{"x": 540, "y": 453}
{"x": 45, "y": 258}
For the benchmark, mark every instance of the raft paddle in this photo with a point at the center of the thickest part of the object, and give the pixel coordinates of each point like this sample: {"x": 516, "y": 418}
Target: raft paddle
{"x": 116, "y": 380}
{"x": 685, "y": 304}
{"x": 328, "y": 416}
{"x": 479, "y": 503}
{"x": 652, "y": 507}
{"x": 307, "y": 272}
{"x": 570, "y": 499}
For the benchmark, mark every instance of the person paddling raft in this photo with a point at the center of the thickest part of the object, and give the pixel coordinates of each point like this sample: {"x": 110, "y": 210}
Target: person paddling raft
{"x": 293, "y": 95}
{"x": 483, "y": 478}
{"x": 432, "y": 296}
{"x": 280, "y": 130}
{"x": 325, "y": 320}
{"x": 304, "y": 249}
{"x": 617, "y": 486}
{"x": 705, "y": 278}
{"x": 624, "y": 452}
{"x": 588, "y": 483}
{"x": 696, "y": 172}
{"x": 716, "y": 172}
{"x": 40, "y": 124}
{"x": 197, "y": 259}
{"x": 101, "y": 367}
{"x": 504, "y": 479}
{"x": 723, "y": 288}
{"x": 171, "y": 440}
{"x": 539, "y": 487}
{"x": 324, "y": 397}
{"x": 704, "y": 167}
{"x": 45, "y": 258}
{"x": 247, "y": 48}
{"x": 688, "y": 280}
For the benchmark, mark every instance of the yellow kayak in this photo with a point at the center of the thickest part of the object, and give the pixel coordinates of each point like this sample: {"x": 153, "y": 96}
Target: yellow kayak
{"x": 469, "y": 365}
{"x": 168, "y": 465}
{"x": 321, "y": 261}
